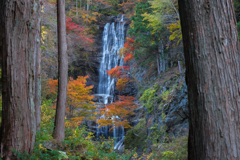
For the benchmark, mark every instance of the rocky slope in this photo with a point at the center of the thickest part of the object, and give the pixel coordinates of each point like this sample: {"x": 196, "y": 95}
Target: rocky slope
{"x": 162, "y": 116}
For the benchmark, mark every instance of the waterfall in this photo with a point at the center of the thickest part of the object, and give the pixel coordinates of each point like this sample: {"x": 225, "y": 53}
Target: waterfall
{"x": 113, "y": 40}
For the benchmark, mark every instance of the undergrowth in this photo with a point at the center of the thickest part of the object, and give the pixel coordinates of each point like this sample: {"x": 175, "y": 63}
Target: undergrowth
{"x": 175, "y": 150}
{"x": 78, "y": 143}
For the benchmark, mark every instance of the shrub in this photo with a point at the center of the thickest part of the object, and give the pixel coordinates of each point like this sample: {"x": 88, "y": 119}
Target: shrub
{"x": 137, "y": 137}
{"x": 177, "y": 149}
{"x": 147, "y": 99}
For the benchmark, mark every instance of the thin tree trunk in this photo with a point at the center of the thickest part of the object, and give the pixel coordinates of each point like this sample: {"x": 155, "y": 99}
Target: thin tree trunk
{"x": 158, "y": 64}
{"x": 179, "y": 66}
{"x": 19, "y": 48}
{"x": 161, "y": 58}
{"x": 59, "y": 125}
{"x": 87, "y": 8}
{"x": 38, "y": 85}
{"x": 211, "y": 49}
{"x": 76, "y": 8}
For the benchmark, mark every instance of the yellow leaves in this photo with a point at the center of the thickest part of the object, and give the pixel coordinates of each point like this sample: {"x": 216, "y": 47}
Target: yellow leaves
{"x": 121, "y": 83}
{"x": 88, "y": 18}
{"x": 164, "y": 14}
{"x": 78, "y": 96}
{"x": 42, "y": 9}
{"x": 78, "y": 92}
{"x": 43, "y": 34}
{"x": 96, "y": 14}
{"x": 41, "y": 147}
{"x": 84, "y": 15}
{"x": 175, "y": 29}
{"x": 135, "y": 156}
{"x": 121, "y": 52}
{"x": 155, "y": 21}
{"x": 74, "y": 122}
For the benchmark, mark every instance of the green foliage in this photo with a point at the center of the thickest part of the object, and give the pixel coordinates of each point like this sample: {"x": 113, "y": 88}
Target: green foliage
{"x": 147, "y": 98}
{"x": 146, "y": 43}
{"x": 177, "y": 149}
{"x": 165, "y": 95}
{"x": 164, "y": 14}
{"x": 137, "y": 136}
{"x": 108, "y": 12}
{"x": 78, "y": 143}
{"x": 158, "y": 134}
{"x": 238, "y": 27}
{"x": 237, "y": 11}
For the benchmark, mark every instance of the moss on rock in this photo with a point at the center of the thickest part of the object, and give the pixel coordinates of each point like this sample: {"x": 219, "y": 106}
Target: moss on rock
{"x": 132, "y": 141}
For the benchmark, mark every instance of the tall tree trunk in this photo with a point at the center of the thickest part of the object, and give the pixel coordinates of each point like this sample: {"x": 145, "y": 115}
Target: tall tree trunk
{"x": 158, "y": 64}
{"x": 59, "y": 125}
{"x": 38, "y": 87}
{"x": 19, "y": 48}
{"x": 161, "y": 58}
{"x": 211, "y": 49}
{"x": 76, "y": 8}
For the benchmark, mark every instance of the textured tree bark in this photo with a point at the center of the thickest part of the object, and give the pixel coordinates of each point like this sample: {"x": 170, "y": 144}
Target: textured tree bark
{"x": 211, "y": 49}
{"x": 19, "y": 48}
{"x": 59, "y": 129}
{"x": 38, "y": 87}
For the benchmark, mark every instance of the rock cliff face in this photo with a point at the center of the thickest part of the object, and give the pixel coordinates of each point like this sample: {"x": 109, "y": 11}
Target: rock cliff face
{"x": 169, "y": 114}
{"x": 177, "y": 113}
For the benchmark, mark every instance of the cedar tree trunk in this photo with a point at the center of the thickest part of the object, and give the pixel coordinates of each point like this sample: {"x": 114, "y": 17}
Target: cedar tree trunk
{"x": 211, "y": 49}
{"x": 59, "y": 126}
{"x": 19, "y": 49}
{"x": 38, "y": 89}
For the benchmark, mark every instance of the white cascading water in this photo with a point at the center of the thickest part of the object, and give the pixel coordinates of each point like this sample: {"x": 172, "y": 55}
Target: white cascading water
{"x": 113, "y": 41}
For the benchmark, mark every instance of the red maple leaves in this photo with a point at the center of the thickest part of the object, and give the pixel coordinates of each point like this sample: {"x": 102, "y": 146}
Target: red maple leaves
{"x": 78, "y": 31}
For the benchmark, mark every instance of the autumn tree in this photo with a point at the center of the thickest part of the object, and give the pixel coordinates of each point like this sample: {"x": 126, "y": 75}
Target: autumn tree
{"x": 211, "y": 49}
{"x": 80, "y": 104}
{"x": 19, "y": 50}
{"x": 59, "y": 124}
{"x": 116, "y": 113}
{"x": 79, "y": 101}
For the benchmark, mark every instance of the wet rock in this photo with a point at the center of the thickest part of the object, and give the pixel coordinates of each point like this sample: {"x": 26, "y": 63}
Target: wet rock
{"x": 177, "y": 112}
{"x": 130, "y": 90}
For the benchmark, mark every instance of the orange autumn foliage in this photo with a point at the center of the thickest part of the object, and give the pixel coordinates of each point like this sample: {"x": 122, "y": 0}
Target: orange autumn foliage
{"x": 117, "y": 112}
{"x": 115, "y": 72}
{"x": 78, "y": 96}
{"x": 121, "y": 83}
{"x": 78, "y": 92}
{"x": 53, "y": 85}
{"x": 129, "y": 50}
